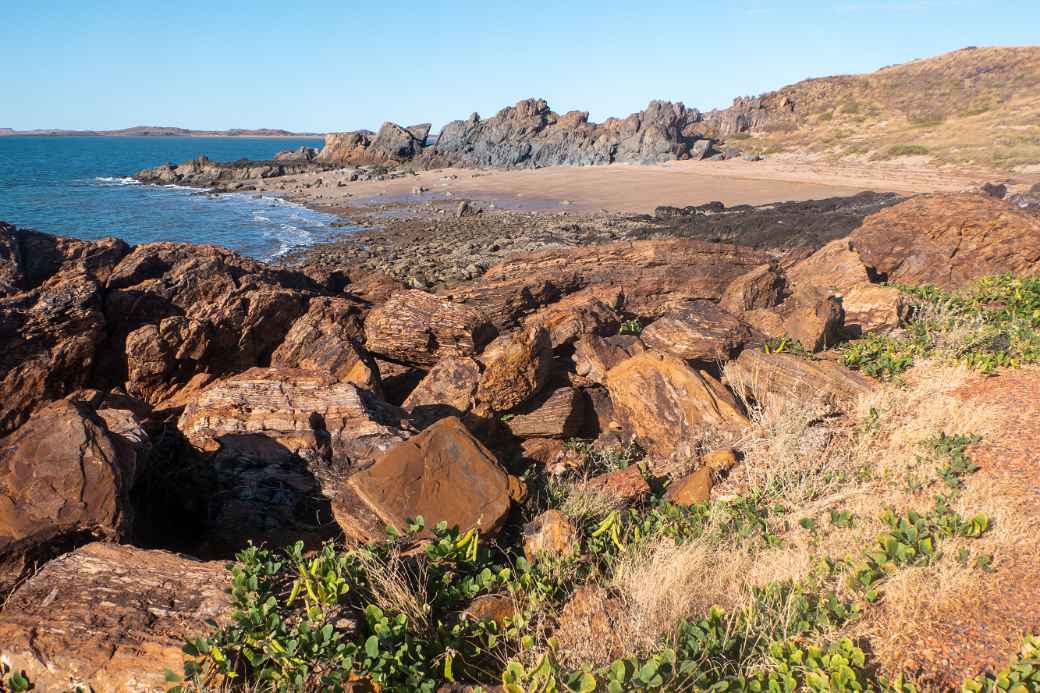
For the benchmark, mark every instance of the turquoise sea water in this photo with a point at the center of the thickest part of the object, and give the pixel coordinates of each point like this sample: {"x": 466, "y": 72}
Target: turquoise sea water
{"x": 79, "y": 186}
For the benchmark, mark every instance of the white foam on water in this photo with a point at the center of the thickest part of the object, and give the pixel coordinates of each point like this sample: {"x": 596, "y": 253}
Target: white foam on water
{"x": 117, "y": 180}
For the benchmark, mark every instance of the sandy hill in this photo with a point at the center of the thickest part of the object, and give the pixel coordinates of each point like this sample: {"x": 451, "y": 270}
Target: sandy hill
{"x": 976, "y": 106}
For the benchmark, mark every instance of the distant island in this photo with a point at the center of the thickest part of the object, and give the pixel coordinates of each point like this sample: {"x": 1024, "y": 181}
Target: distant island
{"x": 159, "y": 131}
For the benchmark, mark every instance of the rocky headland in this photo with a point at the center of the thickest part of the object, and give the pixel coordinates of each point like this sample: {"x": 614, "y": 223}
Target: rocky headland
{"x": 163, "y": 406}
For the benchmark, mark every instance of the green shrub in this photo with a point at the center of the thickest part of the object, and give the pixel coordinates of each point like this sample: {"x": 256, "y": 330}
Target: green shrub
{"x": 897, "y": 150}
{"x": 993, "y": 323}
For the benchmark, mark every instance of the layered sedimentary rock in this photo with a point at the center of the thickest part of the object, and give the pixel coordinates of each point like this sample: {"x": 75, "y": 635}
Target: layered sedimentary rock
{"x": 418, "y": 328}
{"x": 653, "y": 276}
{"x": 949, "y": 240}
{"x": 65, "y": 478}
{"x": 111, "y": 618}
{"x": 51, "y": 316}
{"x": 664, "y": 402}
{"x": 772, "y": 378}
{"x": 178, "y": 311}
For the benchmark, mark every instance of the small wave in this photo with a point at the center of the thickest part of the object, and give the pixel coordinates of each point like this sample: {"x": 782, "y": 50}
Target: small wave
{"x": 117, "y": 180}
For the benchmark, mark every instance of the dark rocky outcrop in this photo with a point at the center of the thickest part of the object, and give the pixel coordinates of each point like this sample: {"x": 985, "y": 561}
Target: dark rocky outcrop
{"x": 529, "y": 135}
{"x": 201, "y": 172}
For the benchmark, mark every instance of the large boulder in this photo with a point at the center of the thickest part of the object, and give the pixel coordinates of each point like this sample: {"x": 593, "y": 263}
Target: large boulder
{"x": 272, "y": 446}
{"x": 762, "y": 287}
{"x": 51, "y": 317}
{"x": 594, "y": 356}
{"x": 516, "y": 367}
{"x": 65, "y": 478}
{"x": 579, "y": 314}
{"x": 556, "y": 413}
{"x": 697, "y": 331}
{"x": 418, "y": 328}
{"x": 179, "y": 310}
{"x": 327, "y": 338}
{"x": 442, "y": 474}
{"x": 665, "y": 403}
{"x": 949, "y": 240}
{"x": 773, "y": 378}
{"x": 110, "y": 618}
{"x": 307, "y": 414}
{"x": 446, "y": 390}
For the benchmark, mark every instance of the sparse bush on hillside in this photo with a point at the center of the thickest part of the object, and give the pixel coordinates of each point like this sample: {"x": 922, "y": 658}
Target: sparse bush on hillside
{"x": 898, "y": 150}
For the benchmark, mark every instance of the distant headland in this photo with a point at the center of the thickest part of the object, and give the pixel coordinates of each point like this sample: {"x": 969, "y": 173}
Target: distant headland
{"x": 159, "y": 131}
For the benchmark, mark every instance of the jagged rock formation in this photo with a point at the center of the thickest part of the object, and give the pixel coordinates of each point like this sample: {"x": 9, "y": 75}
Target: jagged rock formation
{"x": 529, "y": 135}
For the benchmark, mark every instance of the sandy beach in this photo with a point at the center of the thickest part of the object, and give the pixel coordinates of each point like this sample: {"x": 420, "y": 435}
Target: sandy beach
{"x": 620, "y": 188}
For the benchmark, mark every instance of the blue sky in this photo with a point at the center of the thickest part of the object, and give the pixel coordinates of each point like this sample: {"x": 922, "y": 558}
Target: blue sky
{"x": 323, "y": 66}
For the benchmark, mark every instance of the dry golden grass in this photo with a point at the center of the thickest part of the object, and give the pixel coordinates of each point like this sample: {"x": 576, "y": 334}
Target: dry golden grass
{"x": 811, "y": 464}
{"x": 978, "y": 107}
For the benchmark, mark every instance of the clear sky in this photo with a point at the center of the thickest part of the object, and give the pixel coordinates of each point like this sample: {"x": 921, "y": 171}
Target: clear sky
{"x": 341, "y": 65}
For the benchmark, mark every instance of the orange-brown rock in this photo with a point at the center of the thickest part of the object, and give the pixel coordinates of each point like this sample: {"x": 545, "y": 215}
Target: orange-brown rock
{"x": 762, "y": 287}
{"x": 111, "y": 618}
{"x": 327, "y": 338}
{"x": 949, "y": 240}
{"x": 516, "y": 367}
{"x": 555, "y": 413}
{"x": 447, "y": 390}
{"x": 653, "y": 275}
{"x": 273, "y": 446}
{"x": 594, "y": 356}
{"x": 498, "y": 608}
{"x": 835, "y": 268}
{"x": 64, "y": 478}
{"x": 814, "y": 317}
{"x": 231, "y": 313}
{"x": 692, "y": 489}
{"x": 623, "y": 486}
{"x": 442, "y": 474}
{"x": 51, "y": 316}
{"x": 720, "y": 460}
{"x": 280, "y": 412}
{"x": 872, "y": 308}
{"x": 697, "y": 331}
{"x": 550, "y": 533}
{"x": 770, "y": 378}
{"x": 662, "y": 401}
{"x": 589, "y": 312}
{"x": 48, "y": 341}
{"x": 419, "y": 328}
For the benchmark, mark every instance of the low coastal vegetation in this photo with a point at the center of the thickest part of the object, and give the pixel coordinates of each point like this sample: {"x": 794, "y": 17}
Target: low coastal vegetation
{"x": 780, "y": 584}
{"x": 994, "y": 323}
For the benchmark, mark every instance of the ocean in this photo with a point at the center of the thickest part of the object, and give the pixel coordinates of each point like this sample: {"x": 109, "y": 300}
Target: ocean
{"x": 80, "y": 186}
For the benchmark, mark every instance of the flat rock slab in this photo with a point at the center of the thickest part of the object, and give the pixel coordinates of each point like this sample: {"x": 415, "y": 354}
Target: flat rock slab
{"x": 949, "y": 240}
{"x": 442, "y": 474}
{"x": 665, "y": 403}
{"x": 771, "y": 378}
{"x": 697, "y": 331}
{"x": 418, "y": 328}
{"x": 110, "y": 618}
